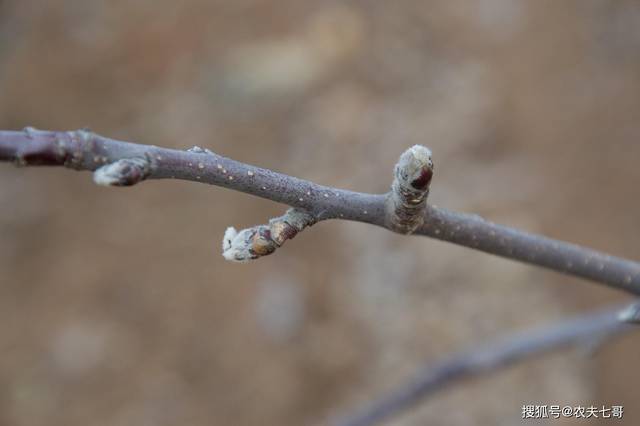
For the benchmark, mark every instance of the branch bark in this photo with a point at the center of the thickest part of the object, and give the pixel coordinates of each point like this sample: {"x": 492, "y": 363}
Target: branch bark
{"x": 128, "y": 163}
{"x": 582, "y": 330}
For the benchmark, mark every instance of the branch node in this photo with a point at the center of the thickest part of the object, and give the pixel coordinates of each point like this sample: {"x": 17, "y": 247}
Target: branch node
{"x": 125, "y": 172}
{"x": 196, "y": 149}
{"x": 29, "y": 131}
{"x": 19, "y": 159}
{"x": 262, "y": 240}
{"x": 406, "y": 203}
{"x": 85, "y": 134}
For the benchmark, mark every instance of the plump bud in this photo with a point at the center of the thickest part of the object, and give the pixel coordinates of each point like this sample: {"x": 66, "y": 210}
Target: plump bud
{"x": 407, "y": 201}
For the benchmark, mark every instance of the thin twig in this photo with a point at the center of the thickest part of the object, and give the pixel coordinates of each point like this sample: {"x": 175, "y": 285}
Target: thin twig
{"x": 84, "y": 150}
{"x": 494, "y": 356}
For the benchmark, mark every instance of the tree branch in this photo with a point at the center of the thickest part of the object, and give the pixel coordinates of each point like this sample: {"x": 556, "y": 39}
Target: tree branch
{"x": 84, "y": 150}
{"x": 496, "y": 355}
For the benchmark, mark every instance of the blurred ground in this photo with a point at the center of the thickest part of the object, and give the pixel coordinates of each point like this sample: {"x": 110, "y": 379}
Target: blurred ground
{"x": 116, "y": 307}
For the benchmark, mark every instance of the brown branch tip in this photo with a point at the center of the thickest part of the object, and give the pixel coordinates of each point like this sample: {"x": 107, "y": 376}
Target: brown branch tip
{"x": 262, "y": 240}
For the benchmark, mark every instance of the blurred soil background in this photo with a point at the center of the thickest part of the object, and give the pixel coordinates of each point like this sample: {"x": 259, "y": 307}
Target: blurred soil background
{"x": 116, "y": 307}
